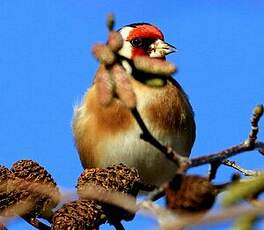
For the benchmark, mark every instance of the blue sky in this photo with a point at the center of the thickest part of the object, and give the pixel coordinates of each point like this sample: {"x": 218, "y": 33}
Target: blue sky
{"x": 46, "y": 66}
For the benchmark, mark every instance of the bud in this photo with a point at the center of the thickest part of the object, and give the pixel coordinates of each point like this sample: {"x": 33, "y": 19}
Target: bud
{"x": 124, "y": 88}
{"x": 154, "y": 66}
{"x": 190, "y": 194}
{"x": 115, "y": 41}
{"x": 110, "y": 22}
{"x": 258, "y": 110}
{"x": 104, "y": 86}
{"x": 104, "y": 54}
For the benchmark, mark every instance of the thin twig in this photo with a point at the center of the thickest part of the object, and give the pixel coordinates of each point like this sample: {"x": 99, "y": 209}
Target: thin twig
{"x": 36, "y": 223}
{"x": 248, "y": 145}
{"x": 245, "y": 172}
{"x": 146, "y": 187}
{"x": 212, "y": 218}
{"x": 2, "y": 227}
{"x": 148, "y": 137}
{"x": 260, "y": 147}
{"x": 157, "y": 193}
{"x": 213, "y": 169}
{"x": 118, "y": 225}
{"x": 222, "y": 155}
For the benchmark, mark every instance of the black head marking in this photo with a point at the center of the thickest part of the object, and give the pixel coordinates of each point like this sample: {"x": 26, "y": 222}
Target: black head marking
{"x": 136, "y": 24}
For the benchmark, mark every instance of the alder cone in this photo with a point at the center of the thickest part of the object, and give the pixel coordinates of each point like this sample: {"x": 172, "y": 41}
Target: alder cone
{"x": 190, "y": 193}
{"x": 78, "y": 215}
{"x": 29, "y": 177}
{"x": 5, "y": 175}
{"x": 117, "y": 178}
{"x": 11, "y": 202}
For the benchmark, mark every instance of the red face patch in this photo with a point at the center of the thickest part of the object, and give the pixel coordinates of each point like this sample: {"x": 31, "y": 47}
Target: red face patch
{"x": 145, "y": 31}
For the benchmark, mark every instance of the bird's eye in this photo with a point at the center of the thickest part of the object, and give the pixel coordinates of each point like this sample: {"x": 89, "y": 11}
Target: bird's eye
{"x": 137, "y": 42}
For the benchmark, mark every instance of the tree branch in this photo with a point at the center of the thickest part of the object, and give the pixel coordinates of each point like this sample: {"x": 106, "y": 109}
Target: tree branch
{"x": 118, "y": 225}
{"x": 35, "y": 222}
{"x": 246, "y": 172}
{"x": 170, "y": 153}
{"x": 249, "y": 144}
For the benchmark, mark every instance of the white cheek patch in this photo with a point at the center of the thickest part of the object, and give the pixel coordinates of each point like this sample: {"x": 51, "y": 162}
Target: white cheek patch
{"x": 126, "y": 50}
{"x": 126, "y": 66}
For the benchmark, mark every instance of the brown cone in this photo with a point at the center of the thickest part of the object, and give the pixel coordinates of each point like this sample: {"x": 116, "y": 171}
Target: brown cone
{"x": 190, "y": 193}
{"x": 78, "y": 215}
{"x": 117, "y": 178}
{"x": 7, "y": 199}
{"x": 33, "y": 187}
{"x": 5, "y": 175}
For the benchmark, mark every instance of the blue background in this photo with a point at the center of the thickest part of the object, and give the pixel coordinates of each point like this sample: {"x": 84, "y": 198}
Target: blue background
{"x": 46, "y": 66}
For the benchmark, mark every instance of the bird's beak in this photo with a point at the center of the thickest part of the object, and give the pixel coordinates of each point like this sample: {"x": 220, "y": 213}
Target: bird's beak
{"x": 159, "y": 49}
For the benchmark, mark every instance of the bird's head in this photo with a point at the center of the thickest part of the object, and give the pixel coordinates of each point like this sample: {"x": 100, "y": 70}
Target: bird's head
{"x": 143, "y": 39}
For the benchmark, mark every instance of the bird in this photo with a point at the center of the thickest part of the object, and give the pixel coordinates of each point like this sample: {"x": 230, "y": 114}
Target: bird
{"x": 105, "y": 136}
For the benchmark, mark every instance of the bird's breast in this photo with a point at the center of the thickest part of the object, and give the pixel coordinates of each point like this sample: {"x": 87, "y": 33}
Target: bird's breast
{"x": 109, "y": 135}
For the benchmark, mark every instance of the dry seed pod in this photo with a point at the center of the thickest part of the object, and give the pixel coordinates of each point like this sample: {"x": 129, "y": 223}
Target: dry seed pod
{"x": 78, "y": 215}
{"x": 104, "y": 54}
{"x": 124, "y": 88}
{"x": 190, "y": 193}
{"x": 104, "y": 86}
{"x": 117, "y": 178}
{"x": 7, "y": 199}
{"x": 32, "y": 182}
{"x": 154, "y": 66}
{"x": 115, "y": 41}
{"x": 5, "y": 175}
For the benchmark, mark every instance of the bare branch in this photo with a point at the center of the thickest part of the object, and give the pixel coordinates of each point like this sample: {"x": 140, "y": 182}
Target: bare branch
{"x": 213, "y": 169}
{"x": 212, "y": 218}
{"x": 36, "y": 223}
{"x": 248, "y": 145}
{"x": 148, "y": 137}
{"x": 245, "y": 172}
{"x": 118, "y": 225}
